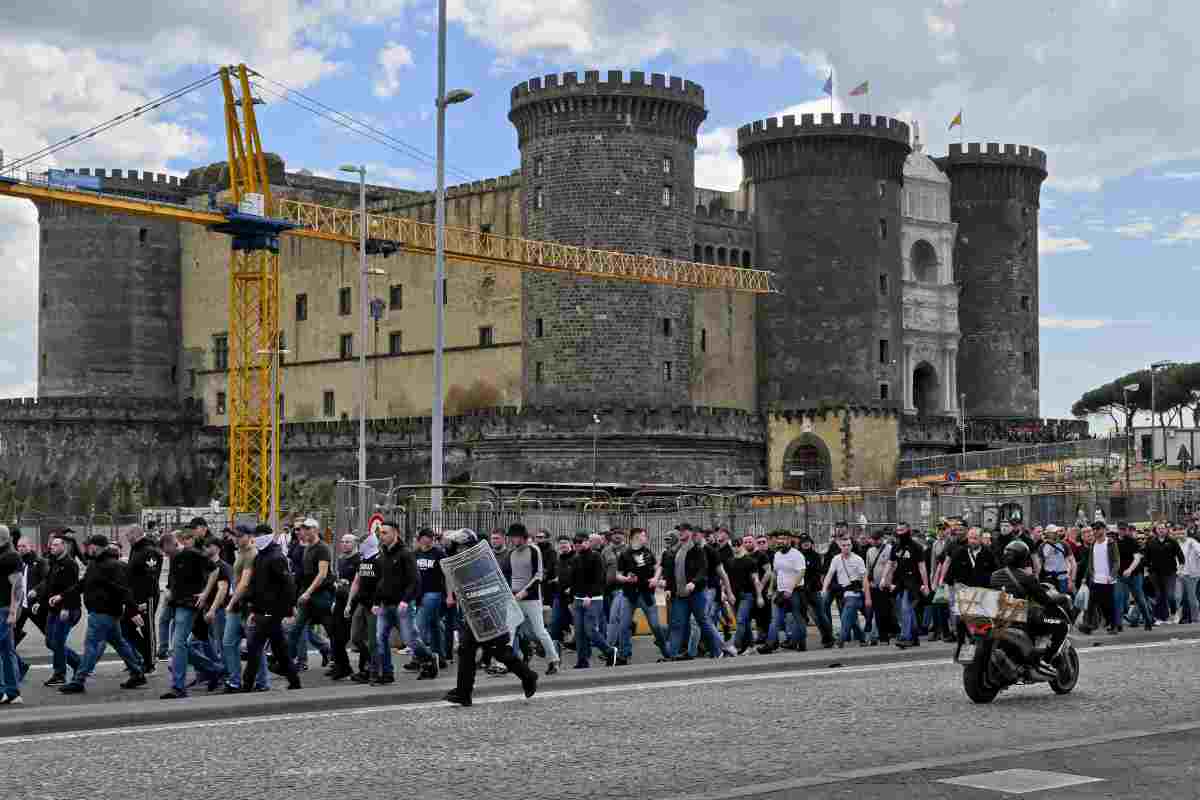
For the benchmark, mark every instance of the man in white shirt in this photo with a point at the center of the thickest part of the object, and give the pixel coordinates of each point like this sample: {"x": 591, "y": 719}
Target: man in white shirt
{"x": 849, "y": 572}
{"x": 1189, "y": 577}
{"x": 787, "y": 584}
{"x": 1104, "y": 560}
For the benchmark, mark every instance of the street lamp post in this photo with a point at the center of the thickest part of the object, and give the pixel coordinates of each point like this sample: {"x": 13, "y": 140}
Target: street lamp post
{"x": 962, "y": 417}
{"x": 274, "y": 353}
{"x": 1126, "y": 389}
{"x": 595, "y": 433}
{"x": 1154, "y": 368}
{"x": 363, "y": 290}
{"x": 439, "y": 275}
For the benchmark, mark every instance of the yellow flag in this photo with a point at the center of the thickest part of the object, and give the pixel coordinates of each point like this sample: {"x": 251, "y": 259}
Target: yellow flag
{"x": 956, "y": 121}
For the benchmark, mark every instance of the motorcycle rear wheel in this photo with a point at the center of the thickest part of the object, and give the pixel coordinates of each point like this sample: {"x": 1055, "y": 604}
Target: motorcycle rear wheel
{"x": 1070, "y": 661}
{"x": 975, "y": 677}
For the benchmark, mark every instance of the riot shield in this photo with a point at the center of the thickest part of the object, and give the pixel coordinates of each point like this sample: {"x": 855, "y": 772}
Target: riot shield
{"x": 482, "y": 593}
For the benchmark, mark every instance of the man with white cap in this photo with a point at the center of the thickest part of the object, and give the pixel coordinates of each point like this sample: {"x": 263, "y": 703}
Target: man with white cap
{"x": 315, "y": 583}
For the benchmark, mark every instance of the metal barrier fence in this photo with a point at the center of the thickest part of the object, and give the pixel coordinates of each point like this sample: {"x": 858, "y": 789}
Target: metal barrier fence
{"x": 1014, "y": 456}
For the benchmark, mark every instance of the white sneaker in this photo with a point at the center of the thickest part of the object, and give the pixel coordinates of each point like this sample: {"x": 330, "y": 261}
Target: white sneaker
{"x": 16, "y": 701}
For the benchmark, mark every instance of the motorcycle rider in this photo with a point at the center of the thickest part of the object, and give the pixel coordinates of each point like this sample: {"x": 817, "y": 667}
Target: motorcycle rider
{"x": 1017, "y": 579}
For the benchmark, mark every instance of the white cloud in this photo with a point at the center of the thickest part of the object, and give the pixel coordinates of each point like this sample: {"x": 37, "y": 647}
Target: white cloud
{"x": 392, "y": 59}
{"x": 1058, "y": 323}
{"x": 1064, "y": 92}
{"x": 1187, "y": 231}
{"x": 1135, "y": 230}
{"x": 1053, "y": 245}
{"x": 1178, "y": 176}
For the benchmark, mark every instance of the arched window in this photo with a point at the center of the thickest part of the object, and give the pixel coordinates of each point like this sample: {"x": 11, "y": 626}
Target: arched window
{"x": 708, "y": 255}
{"x": 721, "y": 255}
{"x": 924, "y": 262}
{"x": 806, "y": 466}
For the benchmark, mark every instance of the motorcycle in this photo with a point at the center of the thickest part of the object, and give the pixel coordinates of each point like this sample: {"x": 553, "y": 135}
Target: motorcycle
{"x": 997, "y": 653}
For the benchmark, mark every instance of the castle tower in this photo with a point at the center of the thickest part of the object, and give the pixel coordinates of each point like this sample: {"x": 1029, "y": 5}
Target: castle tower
{"x": 108, "y": 294}
{"x": 995, "y": 197}
{"x": 825, "y": 197}
{"x": 608, "y": 165}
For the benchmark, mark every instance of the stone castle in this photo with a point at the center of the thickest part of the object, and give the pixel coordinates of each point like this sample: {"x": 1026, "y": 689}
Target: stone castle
{"x": 906, "y": 285}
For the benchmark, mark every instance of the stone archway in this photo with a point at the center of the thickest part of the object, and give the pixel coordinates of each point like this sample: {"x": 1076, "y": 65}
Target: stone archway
{"x": 925, "y": 386}
{"x": 806, "y": 465}
{"x": 924, "y": 262}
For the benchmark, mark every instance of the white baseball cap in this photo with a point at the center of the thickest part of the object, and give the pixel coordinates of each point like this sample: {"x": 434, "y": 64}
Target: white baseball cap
{"x": 311, "y": 523}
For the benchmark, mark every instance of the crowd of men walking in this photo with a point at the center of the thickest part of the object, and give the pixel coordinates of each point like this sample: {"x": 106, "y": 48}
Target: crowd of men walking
{"x": 247, "y": 604}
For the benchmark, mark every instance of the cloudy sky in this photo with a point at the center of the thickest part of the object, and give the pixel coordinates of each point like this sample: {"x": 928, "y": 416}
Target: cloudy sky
{"x": 1101, "y": 85}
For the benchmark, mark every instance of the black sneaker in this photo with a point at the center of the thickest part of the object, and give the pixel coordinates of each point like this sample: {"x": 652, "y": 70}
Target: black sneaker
{"x": 767, "y": 649}
{"x": 294, "y": 684}
{"x": 412, "y": 666}
{"x": 610, "y": 657}
{"x": 325, "y": 659}
{"x": 340, "y": 674}
{"x": 174, "y": 694}
{"x": 530, "y": 685}
{"x": 72, "y": 688}
{"x": 135, "y": 680}
{"x": 383, "y": 680}
{"x": 57, "y": 679}
{"x": 455, "y": 696}
{"x": 442, "y": 663}
{"x": 232, "y": 689}
{"x": 622, "y": 662}
{"x": 552, "y": 669}
{"x": 361, "y": 677}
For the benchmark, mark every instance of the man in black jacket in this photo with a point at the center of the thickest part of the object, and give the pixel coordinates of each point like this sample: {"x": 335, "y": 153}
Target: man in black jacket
{"x": 1163, "y": 557}
{"x": 62, "y": 575}
{"x": 270, "y": 600}
{"x": 33, "y": 568}
{"x": 106, "y": 593}
{"x": 398, "y": 587}
{"x": 145, "y": 570}
{"x": 189, "y": 576}
{"x": 587, "y": 585}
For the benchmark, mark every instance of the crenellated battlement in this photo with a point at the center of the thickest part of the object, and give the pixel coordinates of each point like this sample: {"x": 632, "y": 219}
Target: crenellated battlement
{"x": 126, "y": 175}
{"x": 503, "y": 183}
{"x": 93, "y": 409}
{"x": 774, "y": 129}
{"x": 556, "y": 104}
{"x": 724, "y": 216}
{"x": 993, "y": 153}
{"x": 660, "y": 86}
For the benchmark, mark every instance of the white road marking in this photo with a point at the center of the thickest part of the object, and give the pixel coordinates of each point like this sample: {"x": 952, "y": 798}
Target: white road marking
{"x": 584, "y": 691}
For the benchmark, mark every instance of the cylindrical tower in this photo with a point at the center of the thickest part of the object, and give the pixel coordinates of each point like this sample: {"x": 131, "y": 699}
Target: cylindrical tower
{"x": 994, "y": 198}
{"x": 608, "y": 165}
{"x": 825, "y": 198}
{"x": 108, "y": 295}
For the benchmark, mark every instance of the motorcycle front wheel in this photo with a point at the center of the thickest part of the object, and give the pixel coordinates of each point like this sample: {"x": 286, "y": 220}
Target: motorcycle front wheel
{"x": 1068, "y": 671}
{"x": 975, "y": 676}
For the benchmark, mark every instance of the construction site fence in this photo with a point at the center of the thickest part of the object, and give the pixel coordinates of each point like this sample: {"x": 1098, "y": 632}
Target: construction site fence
{"x": 1064, "y": 453}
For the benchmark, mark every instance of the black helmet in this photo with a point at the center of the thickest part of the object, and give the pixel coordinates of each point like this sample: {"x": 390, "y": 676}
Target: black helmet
{"x": 1016, "y": 554}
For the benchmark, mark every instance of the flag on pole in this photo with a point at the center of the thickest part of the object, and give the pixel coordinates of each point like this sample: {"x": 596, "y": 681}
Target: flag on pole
{"x": 829, "y": 84}
{"x": 861, "y": 89}
{"x": 956, "y": 121}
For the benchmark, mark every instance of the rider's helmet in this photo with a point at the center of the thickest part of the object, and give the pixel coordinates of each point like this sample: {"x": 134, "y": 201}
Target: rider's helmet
{"x": 1016, "y": 554}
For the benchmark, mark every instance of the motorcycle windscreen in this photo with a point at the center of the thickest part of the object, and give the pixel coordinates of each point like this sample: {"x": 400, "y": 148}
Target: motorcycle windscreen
{"x": 482, "y": 593}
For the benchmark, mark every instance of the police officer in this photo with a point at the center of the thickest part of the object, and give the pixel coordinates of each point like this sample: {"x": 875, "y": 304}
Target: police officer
{"x": 145, "y": 569}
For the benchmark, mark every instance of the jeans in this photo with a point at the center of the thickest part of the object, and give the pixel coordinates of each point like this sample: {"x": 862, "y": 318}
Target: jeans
{"x": 1132, "y": 588}
{"x": 57, "y": 631}
{"x": 1165, "y": 605}
{"x": 746, "y": 606}
{"x": 851, "y": 605}
{"x": 166, "y": 625}
{"x": 645, "y": 603}
{"x": 206, "y": 655}
{"x": 694, "y": 606}
{"x": 612, "y": 619}
{"x": 821, "y": 613}
{"x": 390, "y": 618}
{"x": 535, "y": 626}
{"x": 560, "y": 618}
{"x": 906, "y": 603}
{"x": 797, "y": 630}
{"x": 264, "y": 628}
{"x": 587, "y": 630}
{"x": 428, "y": 619}
{"x": 451, "y": 622}
{"x": 104, "y": 630}
{"x": 11, "y": 665}
{"x": 181, "y": 633}
{"x": 231, "y": 645}
{"x": 1189, "y": 602}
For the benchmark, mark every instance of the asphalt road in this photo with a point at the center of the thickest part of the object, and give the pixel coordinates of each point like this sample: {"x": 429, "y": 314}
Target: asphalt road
{"x": 864, "y": 729}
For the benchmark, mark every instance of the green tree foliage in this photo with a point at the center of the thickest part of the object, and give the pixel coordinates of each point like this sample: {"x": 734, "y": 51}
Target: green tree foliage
{"x": 1175, "y": 391}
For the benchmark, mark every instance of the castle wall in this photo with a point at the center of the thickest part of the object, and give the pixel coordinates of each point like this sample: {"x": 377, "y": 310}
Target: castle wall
{"x": 609, "y": 165}
{"x": 825, "y": 199}
{"x": 399, "y": 384}
{"x": 995, "y": 197}
{"x": 108, "y": 317}
{"x": 680, "y": 445}
{"x": 71, "y": 451}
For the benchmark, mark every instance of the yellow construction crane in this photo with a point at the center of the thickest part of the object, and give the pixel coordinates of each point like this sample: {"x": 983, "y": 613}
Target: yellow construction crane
{"x": 255, "y": 226}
